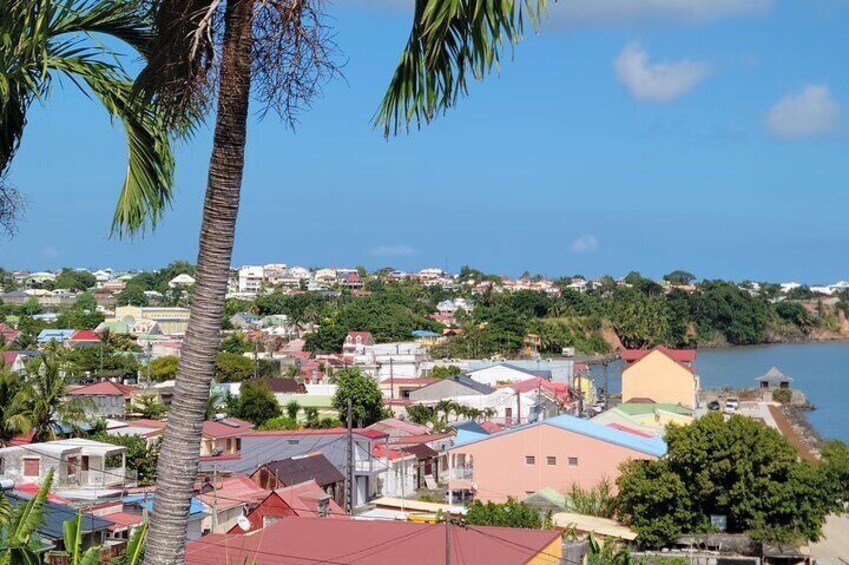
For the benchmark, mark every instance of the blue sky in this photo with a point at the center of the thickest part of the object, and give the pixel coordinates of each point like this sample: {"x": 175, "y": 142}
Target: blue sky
{"x": 651, "y": 135}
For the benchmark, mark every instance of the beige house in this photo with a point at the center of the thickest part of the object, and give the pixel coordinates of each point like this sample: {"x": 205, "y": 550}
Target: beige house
{"x": 660, "y": 375}
{"x": 168, "y": 321}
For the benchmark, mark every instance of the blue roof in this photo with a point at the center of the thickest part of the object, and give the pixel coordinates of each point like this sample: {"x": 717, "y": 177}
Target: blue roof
{"x": 54, "y": 515}
{"x": 424, "y": 333}
{"x": 651, "y": 446}
{"x": 197, "y": 507}
{"x": 48, "y": 335}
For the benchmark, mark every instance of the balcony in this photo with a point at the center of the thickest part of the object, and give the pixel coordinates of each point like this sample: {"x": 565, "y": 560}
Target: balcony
{"x": 369, "y": 466}
{"x": 460, "y": 472}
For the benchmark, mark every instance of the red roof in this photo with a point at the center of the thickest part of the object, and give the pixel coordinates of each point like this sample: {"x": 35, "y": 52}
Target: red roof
{"x": 221, "y": 430}
{"x": 103, "y": 388}
{"x": 622, "y": 428}
{"x": 408, "y": 381}
{"x": 373, "y": 434}
{"x": 230, "y": 492}
{"x": 123, "y": 520}
{"x": 558, "y": 389}
{"x": 365, "y": 336}
{"x": 32, "y": 489}
{"x": 8, "y": 357}
{"x": 146, "y": 423}
{"x": 399, "y": 426}
{"x": 84, "y": 335}
{"x": 491, "y": 427}
{"x": 304, "y": 497}
{"x": 376, "y": 542}
{"x": 680, "y": 355}
{"x": 420, "y": 438}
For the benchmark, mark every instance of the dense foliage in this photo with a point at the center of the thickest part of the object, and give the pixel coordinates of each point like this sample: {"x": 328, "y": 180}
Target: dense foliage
{"x": 739, "y": 469}
{"x": 511, "y": 514}
{"x": 256, "y": 403}
{"x": 365, "y": 395}
{"x": 141, "y": 456}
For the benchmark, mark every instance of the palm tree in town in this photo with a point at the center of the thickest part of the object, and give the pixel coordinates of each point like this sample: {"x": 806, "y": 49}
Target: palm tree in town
{"x": 11, "y": 420}
{"x": 42, "y": 406}
{"x": 45, "y": 40}
{"x": 280, "y": 52}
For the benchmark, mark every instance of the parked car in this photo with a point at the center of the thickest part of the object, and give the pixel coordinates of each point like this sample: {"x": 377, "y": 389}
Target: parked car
{"x": 714, "y": 405}
{"x": 731, "y": 405}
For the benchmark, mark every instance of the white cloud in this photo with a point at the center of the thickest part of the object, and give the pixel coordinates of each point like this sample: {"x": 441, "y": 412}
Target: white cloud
{"x": 810, "y": 112}
{"x": 657, "y": 82}
{"x": 398, "y": 250}
{"x": 588, "y": 13}
{"x": 584, "y": 244}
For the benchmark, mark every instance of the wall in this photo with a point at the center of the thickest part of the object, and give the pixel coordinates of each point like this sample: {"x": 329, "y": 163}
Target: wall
{"x": 658, "y": 377}
{"x": 500, "y": 469}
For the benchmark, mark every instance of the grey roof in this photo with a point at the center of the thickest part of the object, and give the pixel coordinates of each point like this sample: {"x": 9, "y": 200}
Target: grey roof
{"x": 55, "y": 515}
{"x": 774, "y": 376}
{"x": 296, "y": 470}
{"x": 469, "y": 382}
{"x": 545, "y": 374}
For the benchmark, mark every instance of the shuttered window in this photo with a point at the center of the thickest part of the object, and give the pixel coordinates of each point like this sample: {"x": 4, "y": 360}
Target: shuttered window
{"x": 31, "y": 466}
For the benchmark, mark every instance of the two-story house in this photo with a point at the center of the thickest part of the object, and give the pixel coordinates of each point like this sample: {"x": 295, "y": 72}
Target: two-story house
{"x": 83, "y": 469}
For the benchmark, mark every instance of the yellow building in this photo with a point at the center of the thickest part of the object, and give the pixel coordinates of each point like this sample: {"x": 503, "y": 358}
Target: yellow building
{"x": 169, "y": 320}
{"x": 661, "y": 375}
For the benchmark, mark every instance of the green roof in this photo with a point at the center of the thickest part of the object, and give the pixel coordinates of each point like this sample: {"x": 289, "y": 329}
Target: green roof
{"x": 549, "y": 494}
{"x": 306, "y": 400}
{"x": 638, "y": 408}
{"x": 117, "y": 327}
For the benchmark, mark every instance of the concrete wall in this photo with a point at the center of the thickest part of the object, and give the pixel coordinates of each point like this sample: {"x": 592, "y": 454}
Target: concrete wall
{"x": 660, "y": 378}
{"x": 500, "y": 468}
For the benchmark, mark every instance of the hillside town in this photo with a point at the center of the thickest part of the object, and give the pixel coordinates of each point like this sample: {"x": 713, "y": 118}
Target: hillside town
{"x": 440, "y": 415}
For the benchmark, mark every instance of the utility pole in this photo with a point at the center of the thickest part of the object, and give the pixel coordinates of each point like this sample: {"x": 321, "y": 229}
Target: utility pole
{"x": 447, "y": 538}
{"x": 256, "y": 356}
{"x": 518, "y": 410}
{"x": 214, "y": 497}
{"x": 606, "y": 387}
{"x": 391, "y": 380}
{"x": 349, "y": 499}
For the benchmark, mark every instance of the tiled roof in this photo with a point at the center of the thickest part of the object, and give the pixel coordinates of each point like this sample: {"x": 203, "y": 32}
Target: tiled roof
{"x": 376, "y": 542}
{"x": 284, "y": 385}
{"x": 85, "y": 335}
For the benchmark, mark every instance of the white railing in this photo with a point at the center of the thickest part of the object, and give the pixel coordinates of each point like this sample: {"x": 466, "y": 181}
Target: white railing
{"x": 461, "y": 472}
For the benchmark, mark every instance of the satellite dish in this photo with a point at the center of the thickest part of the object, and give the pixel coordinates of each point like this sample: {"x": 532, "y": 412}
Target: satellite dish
{"x": 243, "y": 523}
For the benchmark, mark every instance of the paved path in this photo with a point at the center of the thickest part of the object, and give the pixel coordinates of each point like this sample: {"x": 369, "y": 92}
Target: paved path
{"x": 834, "y": 547}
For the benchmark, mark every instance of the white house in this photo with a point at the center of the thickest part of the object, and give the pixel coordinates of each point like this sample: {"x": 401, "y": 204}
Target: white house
{"x": 182, "y": 280}
{"x": 251, "y": 278}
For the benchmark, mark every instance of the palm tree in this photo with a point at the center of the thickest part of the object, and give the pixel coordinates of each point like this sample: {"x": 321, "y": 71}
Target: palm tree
{"x": 47, "y": 39}
{"x": 42, "y": 402}
{"x": 18, "y": 527}
{"x": 11, "y": 421}
{"x": 281, "y": 51}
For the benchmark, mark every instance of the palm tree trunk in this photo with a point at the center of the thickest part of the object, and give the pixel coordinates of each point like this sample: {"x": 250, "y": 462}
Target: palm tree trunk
{"x": 178, "y": 459}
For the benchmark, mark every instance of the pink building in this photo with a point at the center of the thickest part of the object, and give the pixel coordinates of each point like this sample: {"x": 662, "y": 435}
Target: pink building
{"x": 554, "y": 453}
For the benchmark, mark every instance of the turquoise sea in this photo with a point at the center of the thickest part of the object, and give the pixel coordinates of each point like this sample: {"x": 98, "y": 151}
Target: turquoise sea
{"x": 820, "y": 370}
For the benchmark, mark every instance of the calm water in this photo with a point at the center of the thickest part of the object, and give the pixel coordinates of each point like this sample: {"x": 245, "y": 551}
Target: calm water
{"x": 820, "y": 370}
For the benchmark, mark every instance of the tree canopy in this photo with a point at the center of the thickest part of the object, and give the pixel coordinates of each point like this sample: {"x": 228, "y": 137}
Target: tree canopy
{"x": 365, "y": 395}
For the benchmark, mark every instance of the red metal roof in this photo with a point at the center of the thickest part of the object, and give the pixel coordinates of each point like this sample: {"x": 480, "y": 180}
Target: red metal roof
{"x": 84, "y": 335}
{"x": 680, "y": 355}
{"x": 103, "y": 388}
{"x": 222, "y": 430}
{"x": 408, "y": 381}
{"x": 123, "y": 520}
{"x": 373, "y": 434}
{"x": 230, "y": 492}
{"x": 375, "y": 542}
{"x": 622, "y": 428}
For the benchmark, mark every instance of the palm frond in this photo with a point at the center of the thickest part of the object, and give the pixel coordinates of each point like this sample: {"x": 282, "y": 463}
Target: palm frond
{"x": 181, "y": 55}
{"x": 127, "y": 20}
{"x": 135, "y": 547}
{"x": 29, "y": 516}
{"x": 448, "y": 40}
{"x": 147, "y": 190}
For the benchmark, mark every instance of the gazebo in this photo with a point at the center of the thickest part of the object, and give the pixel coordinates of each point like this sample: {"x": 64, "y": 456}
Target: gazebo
{"x": 774, "y": 379}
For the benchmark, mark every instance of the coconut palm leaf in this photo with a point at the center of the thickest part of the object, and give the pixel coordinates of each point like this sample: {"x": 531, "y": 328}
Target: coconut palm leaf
{"x": 450, "y": 39}
{"x": 48, "y": 39}
{"x": 28, "y": 517}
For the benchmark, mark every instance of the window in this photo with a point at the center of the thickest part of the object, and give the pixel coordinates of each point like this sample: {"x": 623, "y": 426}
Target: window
{"x": 573, "y": 461}
{"x": 73, "y": 464}
{"x": 530, "y": 460}
{"x": 31, "y": 466}
{"x": 551, "y": 460}
{"x": 2, "y": 466}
